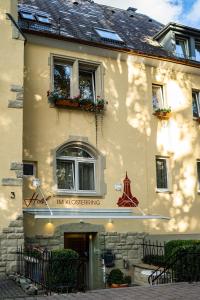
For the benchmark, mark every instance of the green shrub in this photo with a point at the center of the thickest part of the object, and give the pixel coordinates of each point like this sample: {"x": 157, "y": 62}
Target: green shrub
{"x": 64, "y": 268}
{"x": 172, "y": 247}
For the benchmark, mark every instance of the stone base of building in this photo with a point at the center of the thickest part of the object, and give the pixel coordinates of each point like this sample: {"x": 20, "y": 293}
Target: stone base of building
{"x": 11, "y": 238}
{"x": 125, "y": 248}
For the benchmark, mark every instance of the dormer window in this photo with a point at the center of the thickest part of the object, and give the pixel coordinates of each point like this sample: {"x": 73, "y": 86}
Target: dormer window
{"x": 182, "y": 49}
{"x": 197, "y": 50}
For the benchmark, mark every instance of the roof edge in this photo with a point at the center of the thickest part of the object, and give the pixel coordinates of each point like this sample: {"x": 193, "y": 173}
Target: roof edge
{"x": 108, "y": 47}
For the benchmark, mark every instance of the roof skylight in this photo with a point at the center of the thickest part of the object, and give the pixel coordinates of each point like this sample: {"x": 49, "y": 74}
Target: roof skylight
{"x": 108, "y": 35}
{"x": 43, "y": 19}
{"x": 27, "y": 15}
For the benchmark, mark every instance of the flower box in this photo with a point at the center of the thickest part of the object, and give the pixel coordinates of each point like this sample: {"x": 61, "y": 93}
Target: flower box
{"x": 58, "y": 99}
{"x": 66, "y": 103}
{"x": 162, "y": 114}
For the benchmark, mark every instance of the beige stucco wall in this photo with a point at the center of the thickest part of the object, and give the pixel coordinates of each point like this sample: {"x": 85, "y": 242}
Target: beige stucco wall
{"x": 129, "y": 136}
{"x": 11, "y": 78}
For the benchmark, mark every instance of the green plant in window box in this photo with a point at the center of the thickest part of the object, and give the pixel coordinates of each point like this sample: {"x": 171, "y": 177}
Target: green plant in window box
{"x": 163, "y": 113}
{"x": 58, "y": 98}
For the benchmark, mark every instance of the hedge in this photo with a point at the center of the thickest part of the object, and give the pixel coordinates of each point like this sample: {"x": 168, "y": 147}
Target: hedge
{"x": 64, "y": 268}
{"x": 172, "y": 247}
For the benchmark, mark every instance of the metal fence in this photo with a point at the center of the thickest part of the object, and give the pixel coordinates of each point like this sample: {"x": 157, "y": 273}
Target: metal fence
{"x": 183, "y": 266}
{"x": 153, "y": 252}
{"x": 53, "y": 274}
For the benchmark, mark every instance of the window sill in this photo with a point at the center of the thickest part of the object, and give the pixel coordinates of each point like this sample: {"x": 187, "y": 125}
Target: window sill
{"x": 165, "y": 191}
{"x": 196, "y": 119}
{"x": 79, "y": 194}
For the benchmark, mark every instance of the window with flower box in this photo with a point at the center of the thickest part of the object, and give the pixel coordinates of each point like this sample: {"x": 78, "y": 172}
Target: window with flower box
{"x": 76, "y": 83}
{"x": 157, "y": 97}
{"x": 160, "y": 107}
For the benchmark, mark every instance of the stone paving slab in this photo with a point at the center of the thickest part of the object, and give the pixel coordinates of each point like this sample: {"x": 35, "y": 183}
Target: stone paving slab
{"x": 9, "y": 290}
{"x": 178, "y": 291}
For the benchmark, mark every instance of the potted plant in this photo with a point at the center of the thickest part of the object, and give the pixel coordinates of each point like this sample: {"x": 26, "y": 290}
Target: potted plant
{"x": 116, "y": 279}
{"x": 163, "y": 113}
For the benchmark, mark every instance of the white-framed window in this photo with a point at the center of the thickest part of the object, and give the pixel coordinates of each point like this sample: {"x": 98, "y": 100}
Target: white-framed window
{"x": 198, "y": 174}
{"x": 162, "y": 178}
{"x": 87, "y": 82}
{"x": 29, "y": 169}
{"x": 158, "y": 99}
{"x": 62, "y": 76}
{"x": 75, "y": 170}
{"x": 77, "y": 78}
{"x": 196, "y": 104}
{"x": 182, "y": 48}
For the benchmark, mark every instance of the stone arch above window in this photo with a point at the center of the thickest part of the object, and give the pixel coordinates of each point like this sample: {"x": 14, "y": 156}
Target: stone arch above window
{"x": 79, "y": 170}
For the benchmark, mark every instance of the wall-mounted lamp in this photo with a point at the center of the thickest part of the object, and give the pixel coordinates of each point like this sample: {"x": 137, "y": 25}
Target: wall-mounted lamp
{"x": 110, "y": 221}
{"x": 36, "y": 182}
{"x": 118, "y": 187}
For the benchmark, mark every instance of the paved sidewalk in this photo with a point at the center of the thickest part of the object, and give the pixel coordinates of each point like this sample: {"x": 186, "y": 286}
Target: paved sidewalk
{"x": 9, "y": 289}
{"x": 178, "y": 291}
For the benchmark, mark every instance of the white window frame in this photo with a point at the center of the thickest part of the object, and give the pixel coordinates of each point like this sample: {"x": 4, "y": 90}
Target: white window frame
{"x": 198, "y": 176}
{"x": 167, "y": 189}
{"x": 64, "y": 63}
{"x": 74, "y": 82}
{"x": 34, "y": 168}
{"x": 93, "y": 83}
{"x": 77, "y": 160}
{"x": 163, "y": 104}
{"x": 186, "y": 46}
{"x": 198, "y": 102}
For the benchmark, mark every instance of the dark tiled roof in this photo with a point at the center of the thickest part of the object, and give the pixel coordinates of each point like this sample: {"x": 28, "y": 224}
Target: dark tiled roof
{"x": 78, "y": 19}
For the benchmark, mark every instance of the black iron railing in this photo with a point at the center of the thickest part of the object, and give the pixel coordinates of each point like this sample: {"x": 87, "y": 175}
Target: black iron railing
{"x": 183, "y": 266}
{"x": 53, "y": 274}
{"x": 153, "y": 252}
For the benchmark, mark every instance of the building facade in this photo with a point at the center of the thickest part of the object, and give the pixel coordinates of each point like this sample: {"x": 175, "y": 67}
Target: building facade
{"x": 102, "y": 97}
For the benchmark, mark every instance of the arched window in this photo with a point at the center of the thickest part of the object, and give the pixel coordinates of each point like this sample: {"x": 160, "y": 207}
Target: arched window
{"x": 75, "y": 170}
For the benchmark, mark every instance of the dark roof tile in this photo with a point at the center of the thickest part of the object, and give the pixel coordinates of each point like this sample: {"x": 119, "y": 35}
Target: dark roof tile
{"x": 79, "y": 19}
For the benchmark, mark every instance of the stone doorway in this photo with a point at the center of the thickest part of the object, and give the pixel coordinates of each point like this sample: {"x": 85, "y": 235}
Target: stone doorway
{"x": 85, "y": 237}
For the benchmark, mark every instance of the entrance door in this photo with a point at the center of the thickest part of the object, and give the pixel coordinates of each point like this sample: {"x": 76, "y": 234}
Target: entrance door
{"x": 80, "y": 243}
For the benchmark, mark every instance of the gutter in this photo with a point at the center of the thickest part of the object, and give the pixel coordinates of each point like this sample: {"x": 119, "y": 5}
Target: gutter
{"x": 123, "y": 50}
{"x": 10, "y": 17}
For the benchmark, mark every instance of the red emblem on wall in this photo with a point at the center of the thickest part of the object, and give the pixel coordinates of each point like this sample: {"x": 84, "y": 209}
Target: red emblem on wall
{"x": 127, "y": 199}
